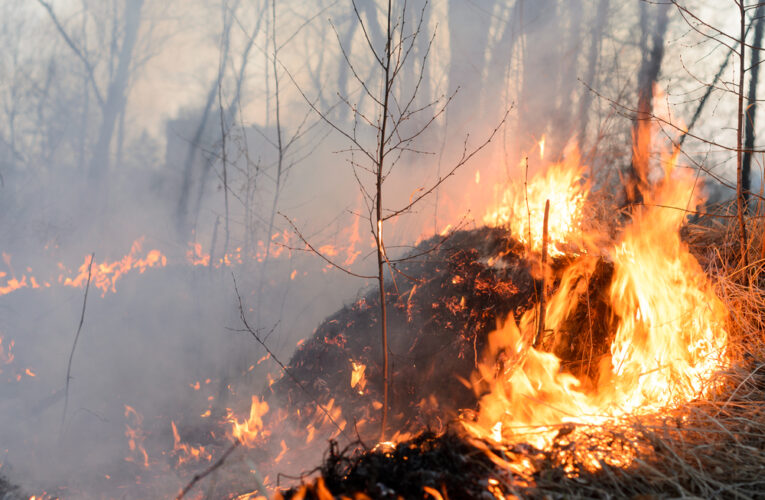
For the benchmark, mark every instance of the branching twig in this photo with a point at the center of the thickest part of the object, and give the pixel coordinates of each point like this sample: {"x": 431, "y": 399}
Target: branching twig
{"x": 74, "y": 344}
{"x": 212, "y": 468}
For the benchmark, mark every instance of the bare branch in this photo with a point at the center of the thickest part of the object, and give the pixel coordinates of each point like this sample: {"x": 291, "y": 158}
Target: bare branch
{"x": 323, "y": 257}
{"x": 75, "y": 49}
{"x": 466, "y": 157}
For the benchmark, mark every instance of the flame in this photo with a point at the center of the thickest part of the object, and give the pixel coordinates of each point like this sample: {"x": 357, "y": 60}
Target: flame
{"x": 104, "y": 275}
{"x": 522, "y": 207}
{"x": 357, "y": 376}
{"x": 541, "y": 145}
{"x": 195, "y": 256}
{"x": 668, "y": 344}
{"x": 135, "y": 437}
{"x": 248, "y": 431}
{"x": 185, "y": 452}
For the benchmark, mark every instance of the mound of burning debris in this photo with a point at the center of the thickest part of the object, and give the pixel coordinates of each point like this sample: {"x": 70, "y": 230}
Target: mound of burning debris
{"x": 447, "y": 297}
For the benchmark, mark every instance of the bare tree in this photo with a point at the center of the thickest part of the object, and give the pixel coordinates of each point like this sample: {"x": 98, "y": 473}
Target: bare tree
{"x": 112, "y": 104}
{"x": 381, "y": 135}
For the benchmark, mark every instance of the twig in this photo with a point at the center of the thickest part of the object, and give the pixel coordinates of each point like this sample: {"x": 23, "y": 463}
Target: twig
{"x": 74, "y": 344}
{"x": 218, "y": 463}
{"x": 541, "y": 315}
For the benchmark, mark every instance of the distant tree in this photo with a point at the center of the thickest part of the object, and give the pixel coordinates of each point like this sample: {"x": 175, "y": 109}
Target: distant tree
{"x": 110, "y": 95}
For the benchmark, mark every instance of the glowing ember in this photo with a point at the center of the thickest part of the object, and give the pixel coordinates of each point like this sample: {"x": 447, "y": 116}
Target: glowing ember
{"x": 522, "y": 206}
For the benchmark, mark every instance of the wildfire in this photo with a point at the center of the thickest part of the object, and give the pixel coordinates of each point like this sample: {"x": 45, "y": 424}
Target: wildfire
{"x": 669, "y": 343}
{"x": 522, "y": 206}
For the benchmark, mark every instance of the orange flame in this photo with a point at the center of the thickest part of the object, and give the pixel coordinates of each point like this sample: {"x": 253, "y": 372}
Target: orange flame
{"x": 196, "y": 257}
{"x": 104, "y": 276}
{"x": 249, "y": 431}
{"x": 135, "y": 437}
{"x": 668, "y": 345}
{"x": 357, "y": 376}
{"x": 185, "y": 452}
{"x": 522, "y": 207}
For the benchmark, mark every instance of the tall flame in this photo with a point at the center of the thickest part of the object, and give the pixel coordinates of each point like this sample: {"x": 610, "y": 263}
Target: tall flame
{"x": 522, "y": 206}
{"x": 669, "y": 343}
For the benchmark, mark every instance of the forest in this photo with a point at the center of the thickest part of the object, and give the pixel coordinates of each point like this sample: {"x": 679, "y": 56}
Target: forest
{"x": 381, "y": 249}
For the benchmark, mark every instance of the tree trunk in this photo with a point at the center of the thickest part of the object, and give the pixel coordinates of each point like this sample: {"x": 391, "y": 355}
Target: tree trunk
{"x": 739, "y": 142}
{"x": 114, "y": 104}
{"x": 592, "y": 66}
{"x": 751, "y": 108}
{"x": 647, "y": 77}
{"x": 469, "y": 25}
{"x": 536, "y": 103}
{"x": 500, "y": 59}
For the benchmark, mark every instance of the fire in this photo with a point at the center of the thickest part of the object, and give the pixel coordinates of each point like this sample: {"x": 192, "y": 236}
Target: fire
{"x": 522, "y": 206}
{"x": 541, "y": 144}
{"x": 186, "y": 452}
{"x": 357, "y": 376}
{"x": 196, "y": 257}
{"x": 136, "y": 437}
{"x": 249, "y": 431}
{"x": 103, "y": 275}
{"x": 668, "y": 345}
